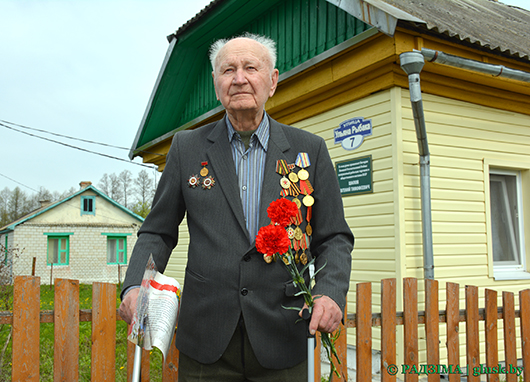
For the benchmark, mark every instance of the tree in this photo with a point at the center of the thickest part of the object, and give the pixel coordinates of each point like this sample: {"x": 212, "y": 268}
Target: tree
{"x": 141, "y": 209}
{"x": 5, "y": 194}
{"x": 110, "y": 185}
{"x": 17, "y": 204}
{"x": 125, "y": 179}
{"x": 144, "y": 188}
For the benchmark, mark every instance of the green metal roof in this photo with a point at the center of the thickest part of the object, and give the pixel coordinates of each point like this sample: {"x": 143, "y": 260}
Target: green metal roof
{"x": 184, "y": 90}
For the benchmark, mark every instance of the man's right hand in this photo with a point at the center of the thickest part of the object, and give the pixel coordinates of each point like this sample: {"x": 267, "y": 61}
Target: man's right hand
{"x": 128, "y": 305}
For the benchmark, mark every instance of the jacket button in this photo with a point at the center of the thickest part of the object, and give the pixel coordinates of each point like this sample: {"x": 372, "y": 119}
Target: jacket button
{"x": 246, "y": 257}
{"x": 244, "y": 291}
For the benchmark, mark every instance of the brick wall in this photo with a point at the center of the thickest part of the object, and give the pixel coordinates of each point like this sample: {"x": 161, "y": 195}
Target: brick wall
{"x": 87, "y": 255}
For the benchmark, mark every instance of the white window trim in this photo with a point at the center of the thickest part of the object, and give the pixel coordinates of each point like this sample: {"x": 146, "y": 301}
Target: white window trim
{"x": 498, "y": 166}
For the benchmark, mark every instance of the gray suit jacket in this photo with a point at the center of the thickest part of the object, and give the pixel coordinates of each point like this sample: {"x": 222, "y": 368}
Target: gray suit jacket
{"x": 225, "y": 276}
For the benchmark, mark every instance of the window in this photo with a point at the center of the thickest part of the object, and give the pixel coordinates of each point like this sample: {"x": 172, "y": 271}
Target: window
{"x": 58, "y": 250}
{"x": 116, "y": 248}
{"x": 507, "y": 231}
{"x": 88, "y": 205}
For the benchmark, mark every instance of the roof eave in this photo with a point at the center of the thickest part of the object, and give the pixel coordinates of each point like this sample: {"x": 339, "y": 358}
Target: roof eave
{"x": 376, "y": 13}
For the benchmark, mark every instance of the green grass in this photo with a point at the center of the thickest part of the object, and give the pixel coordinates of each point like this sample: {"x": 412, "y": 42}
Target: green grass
{"x": 85, "y": 342}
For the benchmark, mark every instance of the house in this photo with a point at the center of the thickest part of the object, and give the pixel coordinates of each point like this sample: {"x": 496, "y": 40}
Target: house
{"x": 340, "y": 78}
{"x": 87, "y": 237}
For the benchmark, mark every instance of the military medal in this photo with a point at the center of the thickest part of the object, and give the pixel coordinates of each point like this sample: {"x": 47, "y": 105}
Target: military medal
{"x": 308, "y": 228}
{"x": 293, "y": 177}
{"x": 285, "y": 183}
{"x": 303, "y": 245}
{"x": 193, "y": 181}
{"x": 308, "y": 200}
{"x": 303, "y": 174}
{"x": 297, "y": 202}
{"x": 298, "y": 234}
{"x": 290, "y": 233}
{"x": 204, "y": 170}
{"x": 208, "y": 183}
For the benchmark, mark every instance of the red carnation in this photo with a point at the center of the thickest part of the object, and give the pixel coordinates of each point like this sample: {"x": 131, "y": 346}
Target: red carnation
{"x": 281, "y": 211}
{"x": 272, "y": 239}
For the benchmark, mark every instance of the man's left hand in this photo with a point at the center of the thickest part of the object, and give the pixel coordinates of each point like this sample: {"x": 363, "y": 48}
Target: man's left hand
{"x": 326, "y": 315}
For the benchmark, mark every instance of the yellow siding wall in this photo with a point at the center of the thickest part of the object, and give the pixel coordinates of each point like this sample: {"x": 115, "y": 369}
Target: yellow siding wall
{"x": 462, "y": 138}
{"x": 374, "y": 218}
{"x": 176, "y": 266}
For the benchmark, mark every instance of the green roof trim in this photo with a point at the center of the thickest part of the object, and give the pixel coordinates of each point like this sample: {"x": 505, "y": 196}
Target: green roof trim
{"x": 11, "y": 226}
{"x": 303, "y": 29}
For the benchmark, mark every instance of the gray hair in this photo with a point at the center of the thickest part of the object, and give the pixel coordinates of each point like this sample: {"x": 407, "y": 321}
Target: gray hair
{"x": 268, "y": 43}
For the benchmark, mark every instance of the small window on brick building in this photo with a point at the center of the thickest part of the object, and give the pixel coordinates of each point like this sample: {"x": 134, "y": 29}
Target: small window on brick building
{"x": 116, "y": 250}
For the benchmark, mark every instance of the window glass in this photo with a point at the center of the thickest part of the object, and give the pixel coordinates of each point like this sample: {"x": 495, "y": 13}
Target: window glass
{"x": 58, "y": 248}
{"x": 88, "y": 205}
{"x": 506, "y": 227}
{"x": 116, "y": 250}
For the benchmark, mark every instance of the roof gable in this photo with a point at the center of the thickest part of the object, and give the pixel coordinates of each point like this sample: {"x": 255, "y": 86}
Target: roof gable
{"x": 11, "y": 226}
{"x": 184, "y": 90}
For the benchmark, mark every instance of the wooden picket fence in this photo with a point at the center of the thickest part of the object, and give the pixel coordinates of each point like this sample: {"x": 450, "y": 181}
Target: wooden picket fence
{"x": 26, "y": 318}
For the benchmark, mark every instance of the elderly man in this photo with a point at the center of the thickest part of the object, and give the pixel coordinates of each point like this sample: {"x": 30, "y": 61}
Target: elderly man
{"x": 223, "y": 176}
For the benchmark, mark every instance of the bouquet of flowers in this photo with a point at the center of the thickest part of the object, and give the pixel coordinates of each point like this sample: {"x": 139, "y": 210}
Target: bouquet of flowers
{"x": 274, "y": 243}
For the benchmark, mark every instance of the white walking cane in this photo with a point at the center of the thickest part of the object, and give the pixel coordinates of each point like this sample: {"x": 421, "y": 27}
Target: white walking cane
{"x": 310, "y": 339}
{"x": 137, "y": 364}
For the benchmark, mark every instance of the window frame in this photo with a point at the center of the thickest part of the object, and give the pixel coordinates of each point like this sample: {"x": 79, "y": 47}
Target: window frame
{"x": 117, "y": 236}
{"x": 60, "y": 237}
{"x": 93, "y": 199}
{"x": 521, "y": 171}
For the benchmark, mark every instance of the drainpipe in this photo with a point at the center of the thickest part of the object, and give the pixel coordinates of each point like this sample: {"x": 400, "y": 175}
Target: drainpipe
{"x": 477, "y": 66}
{"x": 412, "y": 63}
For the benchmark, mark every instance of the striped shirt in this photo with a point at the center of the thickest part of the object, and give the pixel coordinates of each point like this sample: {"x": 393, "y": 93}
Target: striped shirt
{"x": 250, "y": 165}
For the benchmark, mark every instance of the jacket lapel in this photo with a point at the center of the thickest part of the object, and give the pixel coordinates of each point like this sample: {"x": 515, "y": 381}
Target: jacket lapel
{"x": 270, "y": 189}
{"x": 220, "y": 157}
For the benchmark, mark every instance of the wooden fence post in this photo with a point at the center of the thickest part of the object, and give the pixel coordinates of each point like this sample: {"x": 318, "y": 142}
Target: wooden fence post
{"x": 490, "y": 325}
{"x": 66, "y": 329}
{"x": 432, "y": 327}
{"x": 364, "y": 332}
{"x": 318, "y": 348}
{"x": 170, "y": 367}
{"x": 472, "y": 334}
{"x": 510, "y": 349}
{"x": 524, "y": 307}
{"x": 103, "y": 332}
{"x": 26, "y": 329}
{"x": 453, "y": 328}
{"x": 388, "y": 330}
{"x": 410, "y": 330}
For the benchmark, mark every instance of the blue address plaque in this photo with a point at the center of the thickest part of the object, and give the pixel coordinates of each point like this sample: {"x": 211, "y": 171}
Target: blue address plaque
{"x": 355, "y": 176}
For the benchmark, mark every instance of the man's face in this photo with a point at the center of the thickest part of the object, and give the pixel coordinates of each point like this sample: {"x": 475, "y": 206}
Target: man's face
{"x": 243, "y": 77}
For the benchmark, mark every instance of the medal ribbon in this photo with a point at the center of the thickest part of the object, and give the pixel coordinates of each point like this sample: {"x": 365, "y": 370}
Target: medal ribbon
{"x": 282, "y": 167}
{"x": 304, "y": 242}
{"x": 302, "y": 160}
{"x": 305, "y": 187}
{"x": 294, "y": 190}
{"x": 296, "y": 220}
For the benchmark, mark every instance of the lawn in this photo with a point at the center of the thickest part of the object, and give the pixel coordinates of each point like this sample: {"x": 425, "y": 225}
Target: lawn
{"x": 85, "y": 334}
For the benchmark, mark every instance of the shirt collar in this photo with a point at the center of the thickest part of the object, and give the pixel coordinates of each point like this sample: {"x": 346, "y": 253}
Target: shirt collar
{"x": 262, "y": 132}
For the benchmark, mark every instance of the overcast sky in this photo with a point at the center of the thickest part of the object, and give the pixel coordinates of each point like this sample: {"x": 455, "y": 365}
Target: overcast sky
{"x": 85, "y": 69}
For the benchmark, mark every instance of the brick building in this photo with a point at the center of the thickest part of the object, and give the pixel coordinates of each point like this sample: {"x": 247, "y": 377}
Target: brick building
{"x": 86, "y": 236}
